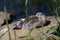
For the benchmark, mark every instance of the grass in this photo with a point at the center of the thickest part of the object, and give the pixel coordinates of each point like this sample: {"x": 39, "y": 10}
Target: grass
{"x": 26, "y": 12}
{"x": 5, "y": 12}
{"x": 52, "y": 10}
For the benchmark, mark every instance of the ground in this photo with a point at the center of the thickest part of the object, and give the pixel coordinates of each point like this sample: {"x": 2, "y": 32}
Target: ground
{"x": 20, "y": 33}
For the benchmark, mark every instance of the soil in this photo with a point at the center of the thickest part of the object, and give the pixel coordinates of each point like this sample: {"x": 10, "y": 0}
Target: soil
{"x": 21, "y": 33}
{"x": 2, "y": 18}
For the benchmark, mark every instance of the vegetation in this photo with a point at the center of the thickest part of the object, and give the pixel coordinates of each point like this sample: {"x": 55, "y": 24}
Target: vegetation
{"x": 7, "y": 22}
{"x": 55, "y": 30}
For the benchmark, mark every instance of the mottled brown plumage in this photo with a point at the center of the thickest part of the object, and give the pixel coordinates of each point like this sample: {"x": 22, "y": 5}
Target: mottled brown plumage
{"x": 35, "y": 20}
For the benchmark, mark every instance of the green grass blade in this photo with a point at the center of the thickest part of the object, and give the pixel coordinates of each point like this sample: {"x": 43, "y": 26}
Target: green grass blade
{"x": 26, "y": 10}
{"x": 5, "y": 12}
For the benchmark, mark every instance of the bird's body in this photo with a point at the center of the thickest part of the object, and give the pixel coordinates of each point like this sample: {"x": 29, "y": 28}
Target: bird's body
{"x": 35, "y": 20}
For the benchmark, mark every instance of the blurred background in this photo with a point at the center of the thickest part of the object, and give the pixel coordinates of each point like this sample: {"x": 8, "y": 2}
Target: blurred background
{"x": 17, "y": 7}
